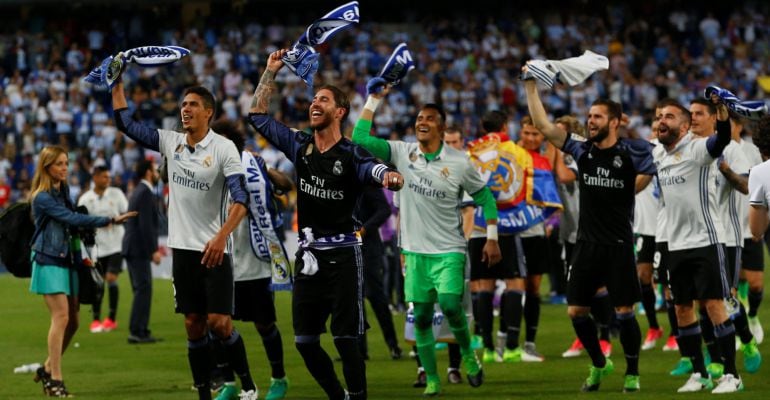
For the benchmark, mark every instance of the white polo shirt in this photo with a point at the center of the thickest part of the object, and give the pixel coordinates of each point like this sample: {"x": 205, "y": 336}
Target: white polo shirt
{"x": 430, "y": 218}
{"x": 690, "y": 215}
{"x": 113, "y": 202}
{"x": 198, "y": 191}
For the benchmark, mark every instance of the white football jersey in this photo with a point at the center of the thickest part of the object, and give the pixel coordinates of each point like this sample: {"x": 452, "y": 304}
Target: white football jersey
{"x": 198, "y": 191}
{"x": 691, "y": 218}
{"x": 754, "y": 159}
{"x": 728, "y": 198}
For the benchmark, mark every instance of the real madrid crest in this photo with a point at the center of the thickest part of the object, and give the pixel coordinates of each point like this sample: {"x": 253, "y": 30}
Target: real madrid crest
{"x": 179, "y": 148}
{"x": 445, "y": 172}
{"x": 207, "y": 161}
{"x": 337, "y": 169}
{"x": 413, "y": 156}
{"x": 617, "y": 162}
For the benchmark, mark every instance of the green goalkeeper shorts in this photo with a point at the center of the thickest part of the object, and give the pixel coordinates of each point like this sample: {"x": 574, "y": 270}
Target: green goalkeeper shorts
{"x": 428, "y": 275}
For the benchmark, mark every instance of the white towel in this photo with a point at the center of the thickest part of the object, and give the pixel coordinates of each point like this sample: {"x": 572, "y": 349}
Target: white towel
{"x": 571, "y": 71}
{"x": 310, "y": 263}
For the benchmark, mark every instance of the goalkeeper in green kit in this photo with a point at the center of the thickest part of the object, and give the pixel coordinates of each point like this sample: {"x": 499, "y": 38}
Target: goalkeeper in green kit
{"x": 431, "y": 236}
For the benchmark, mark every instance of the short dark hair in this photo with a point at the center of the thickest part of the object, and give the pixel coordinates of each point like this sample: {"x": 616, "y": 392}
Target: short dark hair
{"x": 209, "y": 101}
{"x": 761, "y": 136}
{"x": 614, "y": 109}
{"x": 493, "y": 121}
{"x": 340, "y": 99}
{"x": 437, "y": 108}
{"x": 230, "y": 130}
{"x": 100, "y": 169}
{"x": 712, "y": 109}
{"x": 454, "y": 129}
{"x": 142, "y": 166}
{"x": 667, "y": 102}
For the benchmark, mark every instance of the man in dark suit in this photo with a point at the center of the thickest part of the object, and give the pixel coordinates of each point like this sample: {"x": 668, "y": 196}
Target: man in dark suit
{"x": 140, "y": 247}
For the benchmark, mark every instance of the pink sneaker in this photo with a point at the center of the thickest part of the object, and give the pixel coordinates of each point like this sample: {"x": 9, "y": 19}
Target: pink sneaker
{"x": 109, "y": 325}
{"x": 96, "y": 326}
{"x": 574, "y": 350}
{"x": 652, "y": 337}
{"x": 671, "y": 344}
{"x": 606, "y": 347}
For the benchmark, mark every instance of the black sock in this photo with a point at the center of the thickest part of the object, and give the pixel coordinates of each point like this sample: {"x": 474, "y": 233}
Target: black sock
{"x": 199, "y": 357}
{"x": 631, "y": 339}
{"x": 741, "y": 323}
{"x": 271, "y": 339}
{"x": 754, "y": 299}
{"x": 725, "y": 336}
{"x": 707, "y": 331}
{"x": 671, "y": 311}
{"x": 689, "y": 340}
{"x": 601, "y": 309}
{"x": 513, "y": 311}
{"x": 531, "y": 315}
{"x": 417, "y": 357}
{"x": 236, "y": 357}
{"x": 96, "y": 307}
{"x": 586, "y": 332}
{"x": 219, "y": 357}
{"x": 113, "y": 293}
{"x": 454, "y": 355}
{"x": 353, "y": 367}
{"x": 321, "y": 368}
{"x": 485, "y": 317}
{"x": 475, "y": 309}
{"x": 648, "y": 302}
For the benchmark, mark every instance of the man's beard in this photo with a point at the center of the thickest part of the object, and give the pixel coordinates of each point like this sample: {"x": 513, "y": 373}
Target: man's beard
{"x": 600, "y": 135}
{"x": 321, "y": 125}
{"x": 669, "y": 137}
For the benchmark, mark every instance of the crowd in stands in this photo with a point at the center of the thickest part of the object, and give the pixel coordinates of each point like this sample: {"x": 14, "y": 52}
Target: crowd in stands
{"x": 468, "y": 63}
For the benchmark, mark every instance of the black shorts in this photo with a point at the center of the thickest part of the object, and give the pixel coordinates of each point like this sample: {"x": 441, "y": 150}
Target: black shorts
{"x": 660, "y": 263}
{"x": 336, "y": 290}
{"x": 536, "y": 253}
{"x": 753, "y": 256}
{"x": 254, "y": 301}
{"x": 112, "y": 263}
{"x": 733, "y": 265}
{"x": 512, "y": 265}
{"x": 698, "y": 274}
{"x": 645, "y": 249}
{"x": 201, "y": 290}
{"x": 596, "y": 265}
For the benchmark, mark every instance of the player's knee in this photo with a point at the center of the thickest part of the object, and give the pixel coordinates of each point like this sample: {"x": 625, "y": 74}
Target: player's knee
{"x": 221, "y": 326}
{"x": 423, "y": 321}
{"x": 451, "y": 309}
{"x": 578, "y": 312}
{"x": 306, "y": 345}
{"x": 265, "y": 329}
{"x": 195, "y": 325}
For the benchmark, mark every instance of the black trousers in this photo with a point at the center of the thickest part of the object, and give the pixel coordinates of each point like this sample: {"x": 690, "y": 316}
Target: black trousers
{"x": 375, "y": 292}
{"x": 140, "y": 271}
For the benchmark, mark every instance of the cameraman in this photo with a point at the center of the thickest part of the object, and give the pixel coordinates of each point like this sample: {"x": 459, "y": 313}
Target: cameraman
{"x": 54, "y": 254}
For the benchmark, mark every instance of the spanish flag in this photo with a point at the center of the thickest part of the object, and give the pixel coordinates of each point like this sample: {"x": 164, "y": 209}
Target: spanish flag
{"x": 521, "y": 181}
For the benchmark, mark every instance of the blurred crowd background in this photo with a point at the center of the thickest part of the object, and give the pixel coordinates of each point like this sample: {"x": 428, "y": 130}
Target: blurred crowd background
{"x": 468, "y": 60}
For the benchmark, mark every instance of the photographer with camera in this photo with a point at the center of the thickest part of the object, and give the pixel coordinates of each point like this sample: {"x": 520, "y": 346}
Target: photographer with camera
{"x": 54, "y": 253}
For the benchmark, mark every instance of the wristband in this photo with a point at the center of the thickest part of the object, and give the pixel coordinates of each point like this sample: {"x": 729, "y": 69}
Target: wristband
{"x": 492, "y": 232}
{"x": 372, "y": 103}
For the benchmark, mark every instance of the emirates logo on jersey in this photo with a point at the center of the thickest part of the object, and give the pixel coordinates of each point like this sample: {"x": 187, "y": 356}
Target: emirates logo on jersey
{"x": 337, "y": 168}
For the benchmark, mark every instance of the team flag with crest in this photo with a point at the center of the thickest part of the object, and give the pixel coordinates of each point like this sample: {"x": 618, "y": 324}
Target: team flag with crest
{"x": 302, "y": 59}
{"x": 521, "y": 181}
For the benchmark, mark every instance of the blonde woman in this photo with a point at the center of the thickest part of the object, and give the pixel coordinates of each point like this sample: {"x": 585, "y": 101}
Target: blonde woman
{"x": 53, "y": 273}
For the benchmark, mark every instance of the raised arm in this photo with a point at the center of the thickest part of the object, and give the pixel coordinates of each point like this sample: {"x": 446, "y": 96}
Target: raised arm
{"x": 261, "y": 102}
{"x": 552, "y": 132}
{"x": 147, "y": 137}
{"x": 377, "y": 89}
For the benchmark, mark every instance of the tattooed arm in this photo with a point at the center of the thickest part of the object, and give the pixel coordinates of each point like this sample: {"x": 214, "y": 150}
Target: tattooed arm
{"x": 261, "y": 102}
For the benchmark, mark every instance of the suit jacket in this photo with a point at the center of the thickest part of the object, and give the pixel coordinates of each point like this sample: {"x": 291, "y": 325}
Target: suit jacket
{"x": 371, "y": 212}
{"x": 141, "y": 238}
